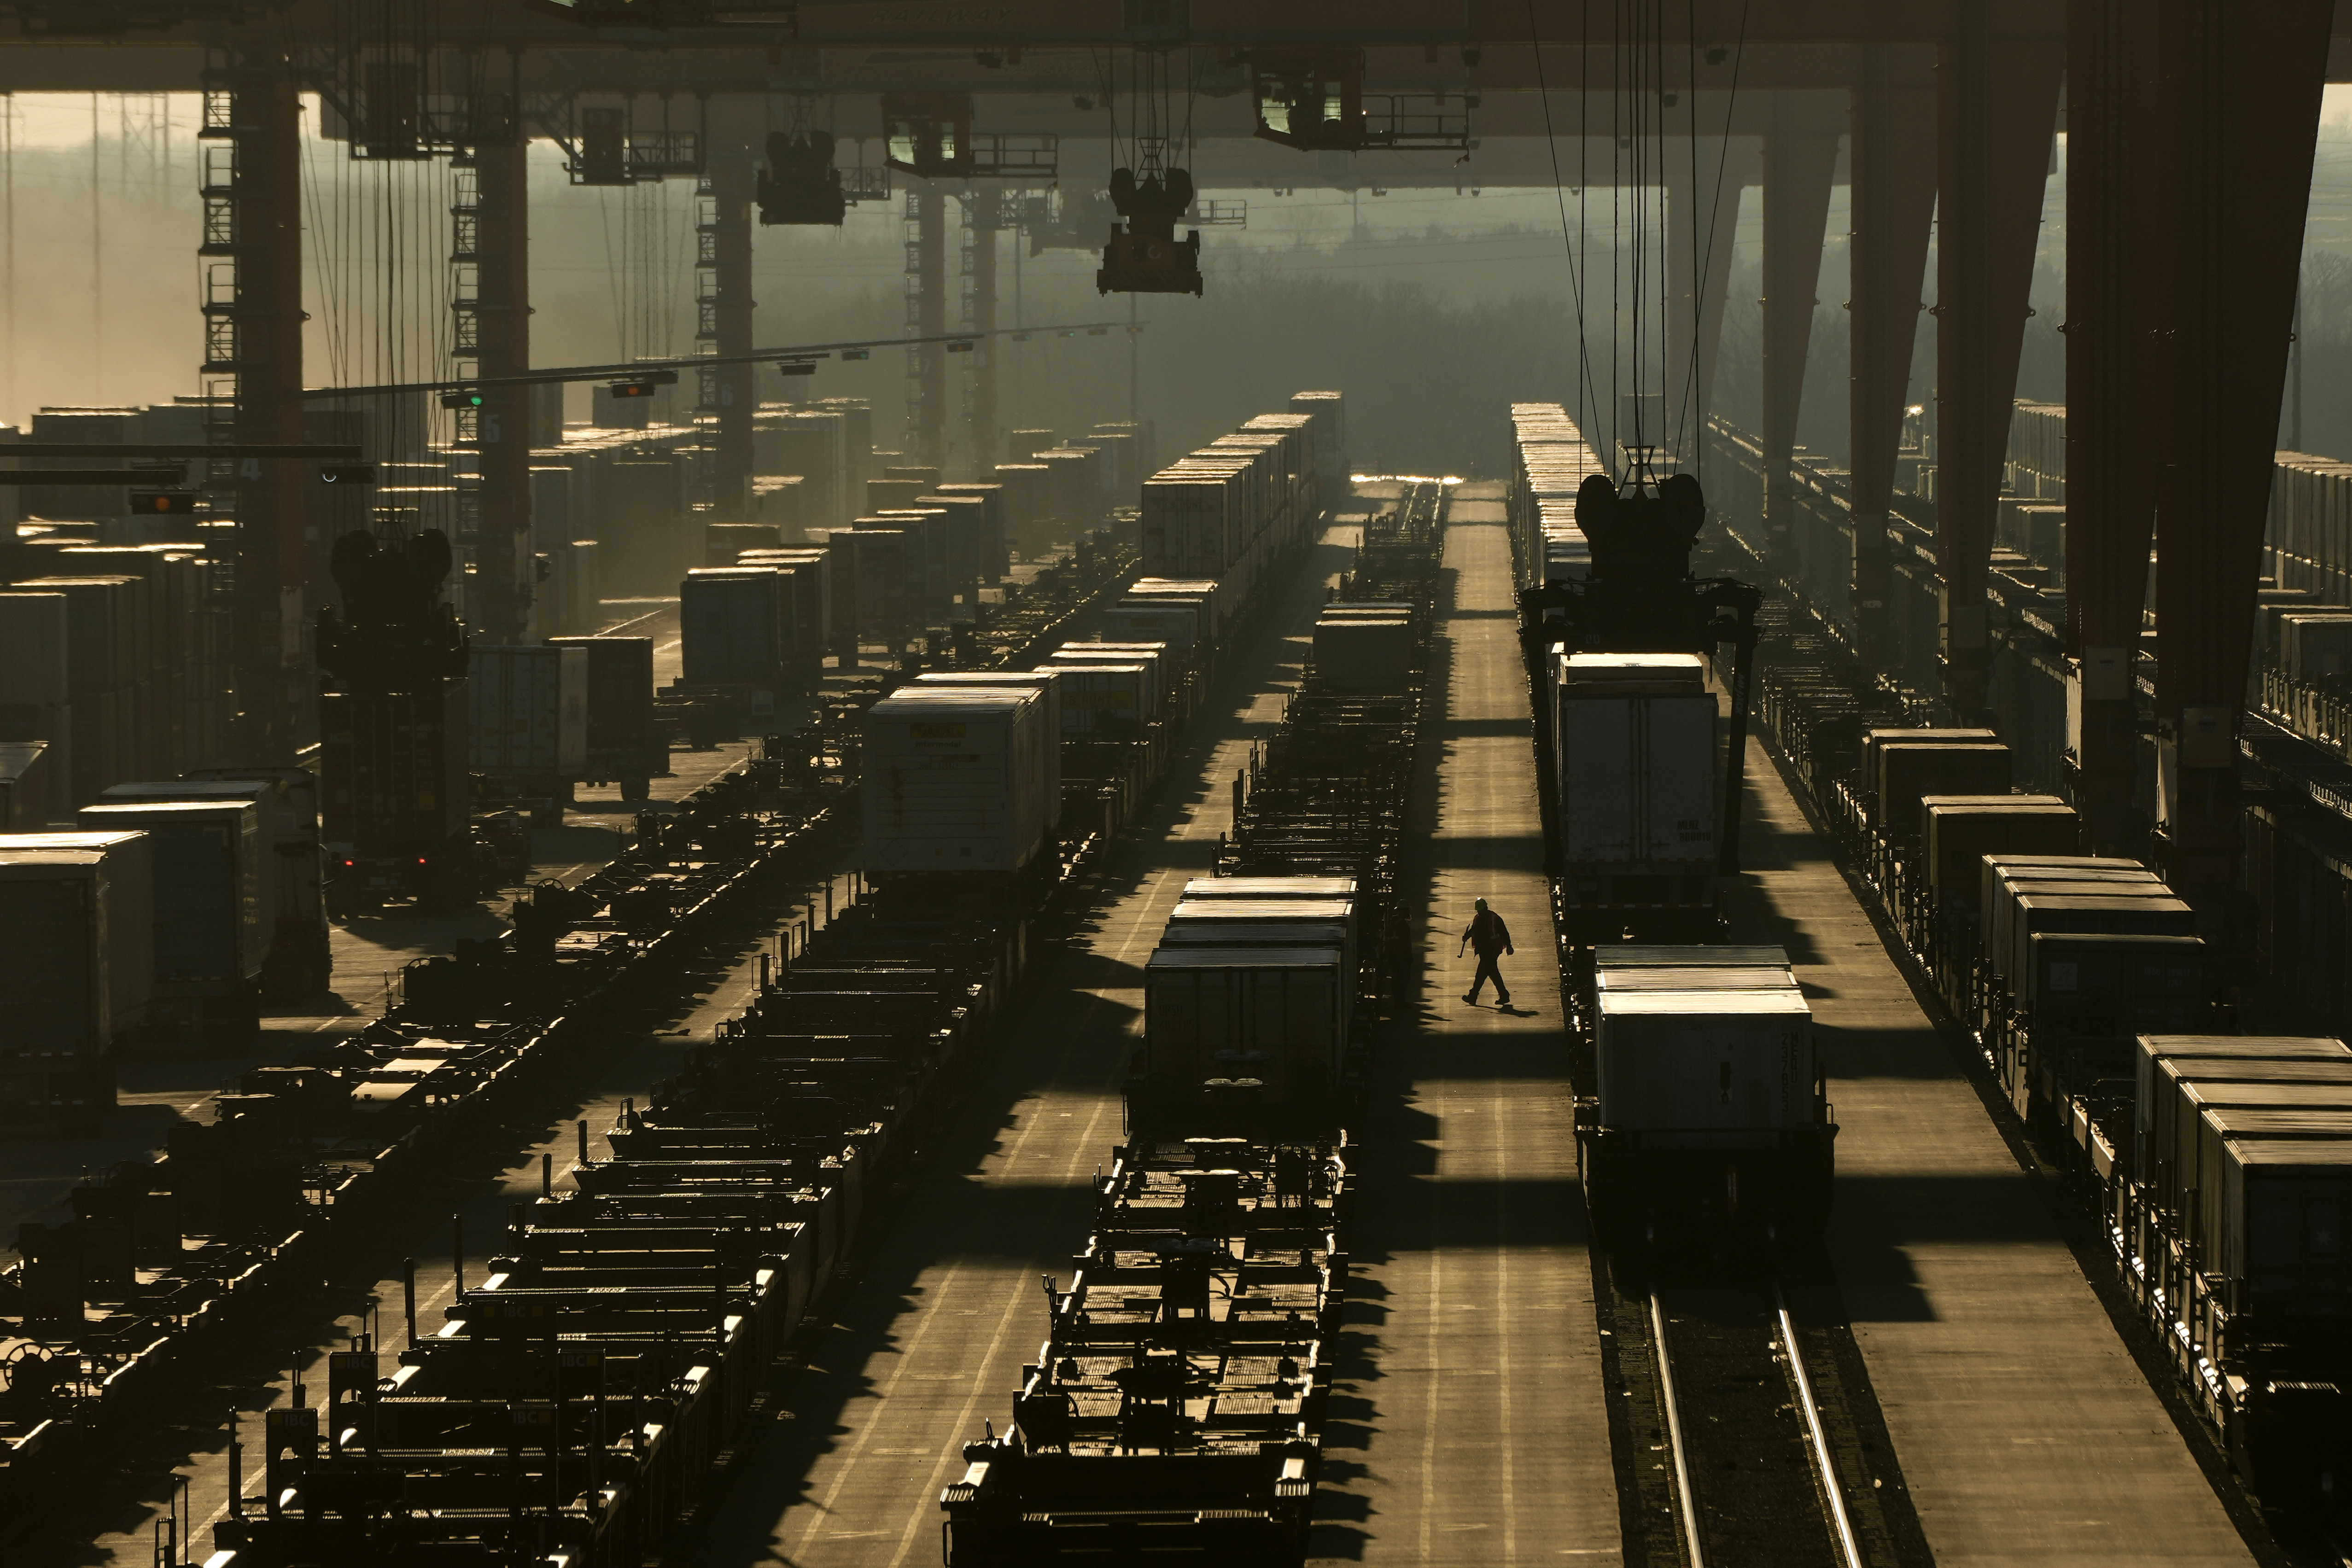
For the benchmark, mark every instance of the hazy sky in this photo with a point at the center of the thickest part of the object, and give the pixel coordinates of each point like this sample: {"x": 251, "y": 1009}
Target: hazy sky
{"x": 101, "y": 297}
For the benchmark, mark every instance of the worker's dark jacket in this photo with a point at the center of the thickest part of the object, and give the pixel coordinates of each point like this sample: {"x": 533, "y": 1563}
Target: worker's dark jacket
{"x": 1489, "y": 935}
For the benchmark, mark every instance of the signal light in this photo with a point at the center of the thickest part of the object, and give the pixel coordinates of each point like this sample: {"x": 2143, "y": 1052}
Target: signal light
{"x": 463, "y": 400}
{"x": 1019, "y": 337}
{"x": 347, "y": 473}
{"x": 1097, "y": 331}
{"x": 798, "y": 367}
{"x": 960, "y": 346}
{"x": 163, "y": 503}
{"x": 856, "y": 354}
{"x": 643, "y": 386}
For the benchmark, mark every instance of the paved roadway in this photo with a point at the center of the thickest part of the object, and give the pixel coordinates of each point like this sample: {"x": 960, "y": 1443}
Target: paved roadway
{"x": 2025, "y": 1431}
{"x": 1473, "y": 1423}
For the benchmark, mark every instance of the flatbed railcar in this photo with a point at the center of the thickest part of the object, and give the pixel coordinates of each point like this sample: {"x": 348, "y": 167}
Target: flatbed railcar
{"x": 1718, "y": 1136}
{"x": 1177, "y": 1407}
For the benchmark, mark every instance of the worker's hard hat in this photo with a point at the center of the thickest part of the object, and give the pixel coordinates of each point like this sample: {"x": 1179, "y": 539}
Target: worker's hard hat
{"x": 1481, "y": 904}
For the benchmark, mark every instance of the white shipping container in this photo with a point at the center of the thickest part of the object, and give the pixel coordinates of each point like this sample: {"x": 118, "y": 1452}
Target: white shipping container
{"x": 1177, "y": 625}
{"x": 952, "y": 780}
{"x": 1226, "y": 913}
{"x": 206, "y": 863}
{"x": 1269, "y": 887}
{"x": 1726, "y": 955}
{"x": 1274, "y": 1014}
{"x": 1706, "y": 1061}
{"x": 528, "y": 710}
{"x": 1636, "y": 758}
{"x": 130, "y": 919}
{"x": 1097, "y": 698}
{"x": 1702, "y": 978}
{"x": 1093, "y": 656}
{"x": 57, "y": 995}
{"x": 1047, "y": 683}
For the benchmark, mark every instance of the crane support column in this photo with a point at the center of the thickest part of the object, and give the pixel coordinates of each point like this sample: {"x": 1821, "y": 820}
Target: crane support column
{"x": 723, "y": 326}
{"x": 926, "y": 317}
{"x": 253, "y": 366}
{"x": 2118, "y": 193}
{"x": 1798, "y": 163}
{"x": 1892, "y": 164}
{"x": 982, "y": 206}
{"x": 1702, "y": 213}
{"x": 1997, "y": 105}
{"x": 2239, "y": 100}
{"x": 501, "y": 323}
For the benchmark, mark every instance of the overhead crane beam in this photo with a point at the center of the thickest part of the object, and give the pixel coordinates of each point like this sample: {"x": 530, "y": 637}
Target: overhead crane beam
{"x": 1891, "y": 163}
{"x": 1997, "y": 103}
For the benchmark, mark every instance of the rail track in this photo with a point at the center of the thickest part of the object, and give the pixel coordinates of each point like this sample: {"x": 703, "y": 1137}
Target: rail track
{"x": 1745, "y": 1432}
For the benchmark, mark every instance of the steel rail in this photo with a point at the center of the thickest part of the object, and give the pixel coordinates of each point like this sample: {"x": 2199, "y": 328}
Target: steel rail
{"x": 1675, "y": 1431}
{"x": 1825, "y": 1471}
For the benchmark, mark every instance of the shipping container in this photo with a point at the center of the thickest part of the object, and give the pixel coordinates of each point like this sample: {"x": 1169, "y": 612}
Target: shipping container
{"x": 57, "y": 991}
{"x": 1048, "y": 733}
{"x": 528, "y": 710}
{"x": 2155, "y": 914}
{"x": 1713, "y": 1061}
{"x": 624, "y": 745}
{"x": 1104, "y": 702}
{"x": 952, "y": 782}
{"x": 2282, "y": 1209}
{"x": 131, "y": 922}
{"x": 293, "y": 907}
{"x": 736, "y": 627}
{"x": 1907, "y": 772}
{"x": 1635, "y": 744}
{"x": 992, "y": 498}
{"x": 1269, "y": 887}
{"x": 1697, "y": 977}
{"x": 2112, "y": 986}
{"x": 206, "y": 861}
{"x": 1962, "y": 830}
{"x": 2166, "y": 1061}
{"x": 1273, "y": 1014}
{"x": 1177, "y": 627}
{"x": 1337, "y": 916}
{"x": 1657, "y": 955}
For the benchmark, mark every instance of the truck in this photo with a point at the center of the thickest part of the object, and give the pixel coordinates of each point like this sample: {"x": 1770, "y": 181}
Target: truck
{"x": 527, "y": 712}
{"x": 624, "y": 745}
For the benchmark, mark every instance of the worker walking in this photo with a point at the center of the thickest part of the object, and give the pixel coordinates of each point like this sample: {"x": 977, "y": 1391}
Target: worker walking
{"x": 1492, "y": 938}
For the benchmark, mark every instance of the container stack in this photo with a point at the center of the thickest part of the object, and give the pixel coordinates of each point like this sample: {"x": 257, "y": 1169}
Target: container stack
{"x": 955, "y": 787}
{"x": 1551, "y": 460}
